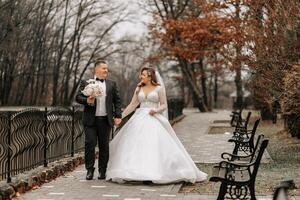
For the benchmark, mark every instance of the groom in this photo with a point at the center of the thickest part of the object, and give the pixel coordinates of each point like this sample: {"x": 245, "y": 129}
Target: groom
{"x": 100, "y": 114}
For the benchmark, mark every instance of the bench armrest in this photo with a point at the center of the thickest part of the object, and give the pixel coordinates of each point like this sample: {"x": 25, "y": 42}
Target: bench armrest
{"x": 233, "y": 165}
{"x": 242, "y": 133}
{"x": 230, "y": 157}
{"x": 240, "y": 140}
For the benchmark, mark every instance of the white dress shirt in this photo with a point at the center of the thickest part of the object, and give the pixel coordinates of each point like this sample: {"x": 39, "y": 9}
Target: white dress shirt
{"x": 100, "y": 107}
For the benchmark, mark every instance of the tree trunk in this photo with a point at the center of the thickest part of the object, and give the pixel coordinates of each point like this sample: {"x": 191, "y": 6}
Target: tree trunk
{"x": 238, "y": 69}
{"x": 216, "y": 90}
{"x": 203, "y": 82}
{"x": 191, "y": 79}
{"x": 210, "y": 91}
{"x": 239, "y": 89}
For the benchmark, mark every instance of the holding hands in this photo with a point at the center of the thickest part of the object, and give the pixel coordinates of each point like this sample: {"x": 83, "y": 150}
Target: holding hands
{"x": 117, "y": 121}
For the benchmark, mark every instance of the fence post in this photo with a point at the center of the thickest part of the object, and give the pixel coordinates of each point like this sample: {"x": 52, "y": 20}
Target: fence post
{"x": 45, "y": 137}
{"x": 73, "y": 131}
{"x": 9, "y": 148}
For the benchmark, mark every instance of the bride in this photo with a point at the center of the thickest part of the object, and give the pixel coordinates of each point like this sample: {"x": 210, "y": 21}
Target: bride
{"x": 147, "y": 148}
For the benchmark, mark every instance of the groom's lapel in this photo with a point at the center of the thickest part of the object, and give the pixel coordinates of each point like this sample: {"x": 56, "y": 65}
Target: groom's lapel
{"x": 108, "y": 86}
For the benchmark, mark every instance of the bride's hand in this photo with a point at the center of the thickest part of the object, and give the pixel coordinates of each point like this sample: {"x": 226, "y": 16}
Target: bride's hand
{"x": 152, "y": 112}
{"x": 140, "y": 84}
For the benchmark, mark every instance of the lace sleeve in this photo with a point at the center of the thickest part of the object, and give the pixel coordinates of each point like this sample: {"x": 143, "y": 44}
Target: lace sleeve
{"x": 133, "y": 104}
{"x": 162, "y": 100}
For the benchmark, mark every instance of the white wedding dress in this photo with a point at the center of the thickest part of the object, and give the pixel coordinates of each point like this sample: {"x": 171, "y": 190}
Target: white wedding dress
{"x": 147, "y": 148}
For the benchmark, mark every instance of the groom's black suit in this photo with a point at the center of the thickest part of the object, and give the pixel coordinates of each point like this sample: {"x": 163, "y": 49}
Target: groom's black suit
{"x": 99, "y": 128}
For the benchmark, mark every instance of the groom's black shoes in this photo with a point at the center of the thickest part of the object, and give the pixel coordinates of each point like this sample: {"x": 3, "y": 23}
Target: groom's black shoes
{"x": 90, "y": 174}
{"x": 101, "y": 176}
{"x": 147, "y": 182}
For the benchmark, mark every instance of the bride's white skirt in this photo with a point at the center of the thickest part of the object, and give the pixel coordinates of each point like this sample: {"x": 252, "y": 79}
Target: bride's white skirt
{"x": 147, "y": 149}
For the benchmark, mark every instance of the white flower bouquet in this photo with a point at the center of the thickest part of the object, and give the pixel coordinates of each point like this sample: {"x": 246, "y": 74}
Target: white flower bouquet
{"x": 92, "y": 89}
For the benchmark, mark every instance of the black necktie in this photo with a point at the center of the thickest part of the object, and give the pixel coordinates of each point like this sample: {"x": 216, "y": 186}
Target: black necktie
{"x": 98, "y": 79}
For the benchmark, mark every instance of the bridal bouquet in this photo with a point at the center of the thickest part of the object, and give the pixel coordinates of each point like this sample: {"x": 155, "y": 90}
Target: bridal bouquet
{"x": 92, "y": 89}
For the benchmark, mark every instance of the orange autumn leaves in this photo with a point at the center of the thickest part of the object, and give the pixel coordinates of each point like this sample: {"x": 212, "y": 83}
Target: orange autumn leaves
{"x": 194, "y": 38}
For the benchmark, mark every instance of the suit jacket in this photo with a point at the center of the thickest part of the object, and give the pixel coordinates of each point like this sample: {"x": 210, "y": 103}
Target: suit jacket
{"x": 113, "y": 103}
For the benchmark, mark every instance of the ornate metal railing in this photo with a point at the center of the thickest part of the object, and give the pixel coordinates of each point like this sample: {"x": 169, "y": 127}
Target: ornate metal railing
{"x": 34, "y": 137}
{"x": 4, "y": 144}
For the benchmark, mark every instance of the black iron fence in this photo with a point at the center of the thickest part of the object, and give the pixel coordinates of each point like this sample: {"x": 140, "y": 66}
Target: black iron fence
{"x": 175, "y": 108}
{"x": 35, "y": 136}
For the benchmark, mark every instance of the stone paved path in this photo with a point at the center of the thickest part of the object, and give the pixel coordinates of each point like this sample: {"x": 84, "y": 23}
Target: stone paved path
{"x": 204, "y": 147}
{"x": 192, "y": 131}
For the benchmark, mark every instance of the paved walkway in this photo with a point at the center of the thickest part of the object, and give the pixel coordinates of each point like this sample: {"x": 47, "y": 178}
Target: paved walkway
{"x": 192, "y": 131}
{"x": 203, "y": 147}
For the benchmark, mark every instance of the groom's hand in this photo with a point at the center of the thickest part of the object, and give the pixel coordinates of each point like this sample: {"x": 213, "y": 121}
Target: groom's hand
{"x": 90, "y": 100}
{"x": 117, "y": 121}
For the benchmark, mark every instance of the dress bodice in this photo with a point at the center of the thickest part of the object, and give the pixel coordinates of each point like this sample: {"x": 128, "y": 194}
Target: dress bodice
{"x": 156, "y": 99}
{"x": 151, "y": 100}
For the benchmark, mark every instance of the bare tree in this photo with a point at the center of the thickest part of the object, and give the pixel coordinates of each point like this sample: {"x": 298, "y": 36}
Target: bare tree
{"x": 47, "y": 46}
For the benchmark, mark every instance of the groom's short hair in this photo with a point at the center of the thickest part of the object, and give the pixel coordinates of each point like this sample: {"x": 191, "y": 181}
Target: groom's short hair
{"x": 100, "y": 61}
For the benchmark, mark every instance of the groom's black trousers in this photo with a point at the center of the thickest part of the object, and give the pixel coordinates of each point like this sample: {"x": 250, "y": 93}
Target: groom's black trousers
{"x": 100, "y": 133}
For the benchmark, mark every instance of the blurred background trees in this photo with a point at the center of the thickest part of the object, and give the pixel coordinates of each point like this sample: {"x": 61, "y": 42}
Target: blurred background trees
{"x": 209, "y": 52}
{"x": 47, "y": 46}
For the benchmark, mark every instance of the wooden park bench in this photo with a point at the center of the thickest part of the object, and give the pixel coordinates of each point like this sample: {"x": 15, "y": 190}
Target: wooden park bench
{"x": 238, "y": 179}
{"x": 244, "y": 139}
{"x": 242, "y": 124}
{"x": 243, "y": 158}
{"x": 236, "y": 116}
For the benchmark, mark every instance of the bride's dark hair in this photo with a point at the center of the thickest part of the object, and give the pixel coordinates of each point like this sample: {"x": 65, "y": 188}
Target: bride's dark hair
{"x": 151, "y": 73}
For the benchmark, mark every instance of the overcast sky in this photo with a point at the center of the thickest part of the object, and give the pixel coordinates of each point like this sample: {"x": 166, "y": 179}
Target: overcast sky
{"x": 138, "y": 20}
